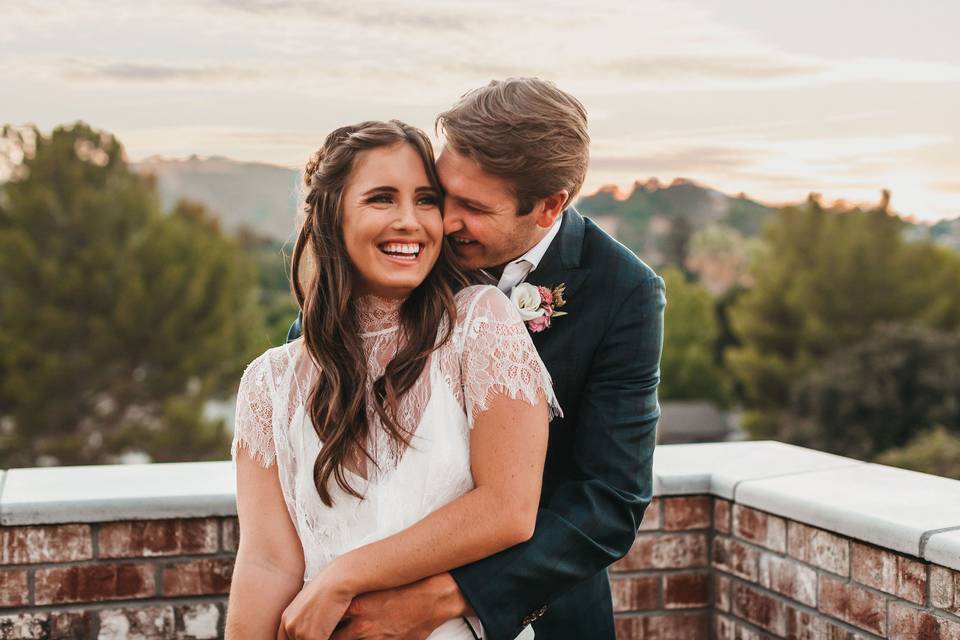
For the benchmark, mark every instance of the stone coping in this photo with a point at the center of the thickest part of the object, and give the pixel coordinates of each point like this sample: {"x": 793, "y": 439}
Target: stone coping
{"x": 905, "y": 511}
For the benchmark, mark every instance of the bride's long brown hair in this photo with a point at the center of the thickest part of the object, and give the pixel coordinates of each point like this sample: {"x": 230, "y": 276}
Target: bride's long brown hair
{"x": 322, "y": 278}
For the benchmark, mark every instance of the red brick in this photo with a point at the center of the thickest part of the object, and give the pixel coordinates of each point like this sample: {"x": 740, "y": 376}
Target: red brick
{"x": 665, "y": 551}
{"x": 852, "y": 604}
{"x": 198, "y": 621}
{"x": 635, "y": 593}
{"x": 945, "y": 589}
{"x": 231, "y": 534}
{"x": 59, "y": 543}
{"x": 692, "y": 626}
{"x": 729, "y": 629}
{"x": 721, "y": 515}
{"x": 143, "y": 623}
{"x": 147, "y": 538}
{"x": 686, "y": 590}
{"x": 686, "y": 512}
{"x": 198, "y": 577}
{"x": 788, "y": 577}
{"x": 889, "y": 572}
{"x": 651, "y": 516}
{"x": 94, "y": 583}
{"x": 759, "y": 608}
{"x": 803, "y": 625}
{"x": 910, "y": 622}
{"x": 760, "y": 528}
{"x": 13, "y": 588}
{"x": 735, "y": 557}
{"x": 721, "y": 592}
{"x": 48, "y": 625}
{"x": 818, "y": 547}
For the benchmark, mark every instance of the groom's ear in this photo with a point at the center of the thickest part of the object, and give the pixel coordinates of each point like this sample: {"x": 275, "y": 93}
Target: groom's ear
{"x": 550, "y": 208}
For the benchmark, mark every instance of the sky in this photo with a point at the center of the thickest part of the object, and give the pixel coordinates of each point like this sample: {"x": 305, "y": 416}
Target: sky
{"x": 771, "y": 99}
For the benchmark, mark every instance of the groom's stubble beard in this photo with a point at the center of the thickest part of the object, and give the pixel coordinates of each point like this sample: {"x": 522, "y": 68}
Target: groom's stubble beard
{"x": 522, "y": 236}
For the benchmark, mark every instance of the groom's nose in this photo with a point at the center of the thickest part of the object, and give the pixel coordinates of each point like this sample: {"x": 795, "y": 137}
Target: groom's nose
{"x": 452, "y": 222}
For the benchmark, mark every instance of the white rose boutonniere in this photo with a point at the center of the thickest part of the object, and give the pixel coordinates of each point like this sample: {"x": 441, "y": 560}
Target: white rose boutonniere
{"x": 537, "y": 305}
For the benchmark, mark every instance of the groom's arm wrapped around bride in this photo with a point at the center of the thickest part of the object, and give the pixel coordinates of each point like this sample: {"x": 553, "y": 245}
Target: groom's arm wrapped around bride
{"x": 599, "y": 482}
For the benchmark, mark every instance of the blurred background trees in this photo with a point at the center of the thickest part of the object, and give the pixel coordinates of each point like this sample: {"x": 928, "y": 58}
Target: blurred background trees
{"x": 120, "y": 320}
{"x": 131, "y": 297}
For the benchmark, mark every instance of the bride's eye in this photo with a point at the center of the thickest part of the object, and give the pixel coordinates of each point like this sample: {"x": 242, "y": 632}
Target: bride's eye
{"x": 385, "y": 198}
{"x": 428, "y": 200}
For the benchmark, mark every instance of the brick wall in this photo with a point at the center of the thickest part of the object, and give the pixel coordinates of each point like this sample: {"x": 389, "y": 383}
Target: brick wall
{"x": 705, "y": 567}
{"x": 701, "y": 567}
{"x": 133, "y": 579}
{"x": 728, "y": 550}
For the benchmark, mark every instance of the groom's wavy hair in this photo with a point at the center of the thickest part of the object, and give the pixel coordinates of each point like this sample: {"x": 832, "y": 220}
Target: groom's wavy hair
{"x": 322, "y": 278}
{"x": 525, "y": 130}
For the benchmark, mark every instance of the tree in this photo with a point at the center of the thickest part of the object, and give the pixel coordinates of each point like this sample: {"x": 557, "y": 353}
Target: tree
{"x": 935, "y": 451}
{"x": 688, "y": 369}
{"x": 826, "y": 279}
{"x": 876, "y": 394}
{"x": 119, "y": 321}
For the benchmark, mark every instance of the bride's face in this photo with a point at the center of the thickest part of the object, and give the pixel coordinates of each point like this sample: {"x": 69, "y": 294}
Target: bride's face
{"x": 391, "y": 224}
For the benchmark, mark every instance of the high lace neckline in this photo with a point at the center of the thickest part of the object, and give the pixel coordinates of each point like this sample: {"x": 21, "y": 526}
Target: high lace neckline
{"x": 376, "y": 314}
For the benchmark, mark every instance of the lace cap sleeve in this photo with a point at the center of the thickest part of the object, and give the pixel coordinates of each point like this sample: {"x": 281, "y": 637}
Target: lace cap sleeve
{"x": 499, "y": 356}
{"x": 253, "y": 427}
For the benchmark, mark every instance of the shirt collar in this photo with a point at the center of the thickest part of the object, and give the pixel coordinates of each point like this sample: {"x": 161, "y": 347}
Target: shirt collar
{"x": 535, "y": 254}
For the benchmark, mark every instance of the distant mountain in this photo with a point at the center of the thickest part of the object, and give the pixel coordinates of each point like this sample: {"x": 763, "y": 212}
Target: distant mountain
{"x": 260, "y": 196}
{"x": 653, "y": 219}
{"x": 657, "y": 221}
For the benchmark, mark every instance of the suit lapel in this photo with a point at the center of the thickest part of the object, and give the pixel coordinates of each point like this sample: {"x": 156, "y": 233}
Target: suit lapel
{"x": 561, "y": 265}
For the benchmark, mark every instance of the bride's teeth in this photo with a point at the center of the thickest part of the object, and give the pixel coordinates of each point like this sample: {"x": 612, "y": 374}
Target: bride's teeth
{"x": 401, "y": 248}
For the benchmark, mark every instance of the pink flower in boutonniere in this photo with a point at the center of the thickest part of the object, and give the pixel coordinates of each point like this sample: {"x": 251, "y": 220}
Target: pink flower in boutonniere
{"x": 538, "y": 305}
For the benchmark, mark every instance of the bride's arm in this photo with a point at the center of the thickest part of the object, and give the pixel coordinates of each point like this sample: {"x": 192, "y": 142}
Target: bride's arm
{"x": 268, "y": 572}
{"x": 269, "y": 567}
{"x": 507, "y": 449}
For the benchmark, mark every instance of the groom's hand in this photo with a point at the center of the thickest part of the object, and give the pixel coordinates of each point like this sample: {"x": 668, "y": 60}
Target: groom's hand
{"x": 411, "y": 612}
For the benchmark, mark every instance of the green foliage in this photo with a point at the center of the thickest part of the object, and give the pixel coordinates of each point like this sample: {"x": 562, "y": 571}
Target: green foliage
{"x": 828, "y": 278}
{"x": 935, "y": 451}
{"x": 118, "y": 321}
{"x": 873, "y": 395}
{"x": 688, "y": 368}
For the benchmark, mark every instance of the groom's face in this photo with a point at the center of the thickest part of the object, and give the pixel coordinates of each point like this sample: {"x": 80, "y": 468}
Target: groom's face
{"x": 480, "y": 215}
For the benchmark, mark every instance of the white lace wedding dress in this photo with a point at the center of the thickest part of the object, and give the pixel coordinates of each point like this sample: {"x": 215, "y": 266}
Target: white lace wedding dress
{"x": 489, "y": 353}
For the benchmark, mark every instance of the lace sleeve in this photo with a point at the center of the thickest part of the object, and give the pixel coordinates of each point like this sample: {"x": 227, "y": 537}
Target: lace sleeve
{"x": 253, "y": 426}
{"x": 499, "y": 356}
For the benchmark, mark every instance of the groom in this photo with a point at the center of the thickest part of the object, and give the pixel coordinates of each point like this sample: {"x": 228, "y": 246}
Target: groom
{"x": 514, "y": 159}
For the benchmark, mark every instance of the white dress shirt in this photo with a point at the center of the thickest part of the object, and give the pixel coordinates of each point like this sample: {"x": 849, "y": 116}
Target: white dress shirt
{"x": 515, "y": 272}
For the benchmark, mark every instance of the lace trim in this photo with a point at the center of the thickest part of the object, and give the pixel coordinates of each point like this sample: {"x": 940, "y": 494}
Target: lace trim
{"x": 375, "y": 314}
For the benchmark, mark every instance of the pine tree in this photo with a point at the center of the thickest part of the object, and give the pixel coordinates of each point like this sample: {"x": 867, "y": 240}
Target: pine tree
{"x": 118, "y": 321}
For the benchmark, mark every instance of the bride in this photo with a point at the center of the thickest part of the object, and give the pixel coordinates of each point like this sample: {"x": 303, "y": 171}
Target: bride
{"x": 405, "y": 433}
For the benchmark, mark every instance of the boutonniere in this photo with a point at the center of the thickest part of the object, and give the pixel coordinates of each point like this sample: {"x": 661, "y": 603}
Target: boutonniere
{"x": 538, "y": 305}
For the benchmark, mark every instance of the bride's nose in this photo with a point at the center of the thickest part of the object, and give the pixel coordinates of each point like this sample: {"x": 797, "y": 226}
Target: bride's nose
{"x": 406, "y": 217}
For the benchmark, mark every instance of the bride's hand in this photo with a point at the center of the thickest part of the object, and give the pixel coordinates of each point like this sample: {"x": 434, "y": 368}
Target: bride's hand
{"x": 317, "y": 609}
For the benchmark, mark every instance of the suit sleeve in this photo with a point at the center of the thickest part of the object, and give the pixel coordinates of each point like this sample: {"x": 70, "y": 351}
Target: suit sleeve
{"x": 591, "y": 521}
{"x": 294, "y": 331}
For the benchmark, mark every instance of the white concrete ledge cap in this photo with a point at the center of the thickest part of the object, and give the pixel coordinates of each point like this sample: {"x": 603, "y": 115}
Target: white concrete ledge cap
{"x": 719, "y": 467}
{"x": 100, "y": 493}
{"x": 944, "y": 548}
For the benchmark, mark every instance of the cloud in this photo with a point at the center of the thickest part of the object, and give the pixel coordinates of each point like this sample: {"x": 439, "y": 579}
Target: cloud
{"x": 950, "y": 186}
{"x": 686, "y": 160}
{"x": 712, "y": 66}
{"x": 86, "y": 71}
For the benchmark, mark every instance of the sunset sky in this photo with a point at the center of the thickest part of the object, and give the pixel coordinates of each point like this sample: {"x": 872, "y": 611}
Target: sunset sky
{"x": 773, "y": 99}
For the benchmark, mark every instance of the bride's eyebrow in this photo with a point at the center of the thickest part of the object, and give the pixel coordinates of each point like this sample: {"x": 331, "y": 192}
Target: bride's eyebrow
{"x": 380, "y": 190}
